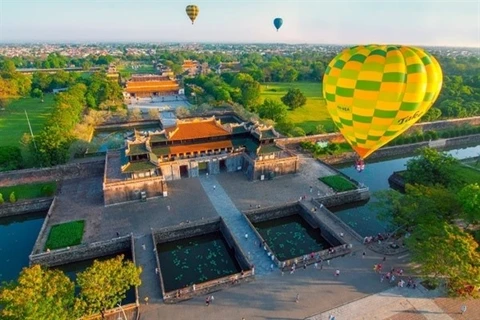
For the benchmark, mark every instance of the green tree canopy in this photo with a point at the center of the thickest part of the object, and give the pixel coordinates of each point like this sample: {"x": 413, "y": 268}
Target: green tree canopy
{"x": 39, "y": 293}
{"x": 274, "y": 110}
{"x": 105, "y": 283}
{"x": 431, "y": 167}
{"x": 294, "y": 98}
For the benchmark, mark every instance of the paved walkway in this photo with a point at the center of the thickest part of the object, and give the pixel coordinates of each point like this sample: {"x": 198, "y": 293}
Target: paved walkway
{"x": 236, "y": 224}
{"x": 146, "y": 258}
{"x": 387, "y": 304}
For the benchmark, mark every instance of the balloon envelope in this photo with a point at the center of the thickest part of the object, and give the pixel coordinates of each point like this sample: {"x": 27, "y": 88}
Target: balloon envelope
{"x": 376, "y": 92}
{"x": 192, "y": 12}
{"x": 277, "y": 22}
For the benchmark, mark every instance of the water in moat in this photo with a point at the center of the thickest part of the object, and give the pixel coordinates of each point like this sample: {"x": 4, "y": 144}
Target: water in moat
{"x": 195, "y": 260}
{"x": 291, "y": 236}
{"x": 72, "y": 269}
{"x": 363, "y": 218}
{"x": 17, "y": 237}
{"x": 105, "y": 139}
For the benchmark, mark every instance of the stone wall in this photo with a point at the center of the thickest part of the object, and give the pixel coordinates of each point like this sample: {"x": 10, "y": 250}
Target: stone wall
{"x": 233, "y": 244}
{"x": 82, "y": 252}
{"x": 84, "y": 169}
{"x": 274, "y": 212}
{"x": 396, "y": 181}
{"x": 341, "y": 198}
{"x": 187, "y": 230}
{"x": 24, "y": 206}
{"x": 171, "y": 170}
{"x": 130, "y": 190}
{"x": 278, "y": 166}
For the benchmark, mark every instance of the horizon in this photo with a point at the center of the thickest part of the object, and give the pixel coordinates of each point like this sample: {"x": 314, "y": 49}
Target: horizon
{"x": 433, "y": 24}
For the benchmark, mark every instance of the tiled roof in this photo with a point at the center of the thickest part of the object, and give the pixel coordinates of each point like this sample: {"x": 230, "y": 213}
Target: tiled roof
{"x": 138, "y": 166}
{"x": 196, "y": 130}
{"x": 268, "y": 134}
{"x": 149, "y": 86}
{"x": 136, "y": 149}
{"x": 158, "y": 137}
{"x": 250, "y": 144}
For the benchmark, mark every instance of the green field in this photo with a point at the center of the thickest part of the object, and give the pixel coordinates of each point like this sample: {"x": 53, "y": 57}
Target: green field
{"x": 313, "y": 113}
{"x": 338, "y": 183}
{"x": 13, "y": 123}
{"x": 65, "y": 235}
{"x": 29, "y": 191}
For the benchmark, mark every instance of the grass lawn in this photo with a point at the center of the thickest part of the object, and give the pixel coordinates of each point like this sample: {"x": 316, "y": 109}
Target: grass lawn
{"x": 29, "y": 191}
{"x": 13, "y": 123}
{"x": 65, "y": 235}
{"x": 313, "y": 113}
{"x": 468, "y": 175}
{"x": 338, "y": 183}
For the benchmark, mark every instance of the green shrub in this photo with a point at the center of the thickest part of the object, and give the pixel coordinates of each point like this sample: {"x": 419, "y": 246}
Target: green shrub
{"x": 1, "y": 199}
{"x": 48, "y": 190}
{"x": 13, "y": 199}
{"x": 65, "y": 235}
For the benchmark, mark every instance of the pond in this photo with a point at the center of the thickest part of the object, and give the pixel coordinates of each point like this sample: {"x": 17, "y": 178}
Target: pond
{"x": 291, "y": 236}
{"x": 195, "y": 260}
{"x": 17, "y": 237}
{"x": 363, "y": 218}
{"x": 105, "y": 139}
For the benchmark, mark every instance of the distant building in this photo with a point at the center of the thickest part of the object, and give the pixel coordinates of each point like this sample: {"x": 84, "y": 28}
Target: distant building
{"x": 150, "y": 85}
{"x": 112, "y": 73}
{"x": 191, "y": 67}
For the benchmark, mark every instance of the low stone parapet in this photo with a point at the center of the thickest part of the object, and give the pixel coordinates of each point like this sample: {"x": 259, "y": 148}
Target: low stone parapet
{"x": 82, "y": 252}
{"x": 24, "y": 206}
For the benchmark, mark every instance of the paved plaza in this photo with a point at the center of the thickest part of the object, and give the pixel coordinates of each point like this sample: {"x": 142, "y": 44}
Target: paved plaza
{"x": 357, "y": 293}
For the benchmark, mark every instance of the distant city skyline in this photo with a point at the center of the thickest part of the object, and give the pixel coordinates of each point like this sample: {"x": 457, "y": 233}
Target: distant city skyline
{"x": 423, "y": 23}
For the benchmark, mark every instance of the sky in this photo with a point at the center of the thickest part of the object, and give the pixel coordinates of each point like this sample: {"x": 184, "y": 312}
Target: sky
{"x": 417, "y": 22}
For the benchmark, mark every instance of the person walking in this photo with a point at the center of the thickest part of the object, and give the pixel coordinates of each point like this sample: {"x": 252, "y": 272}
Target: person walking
{"x": 337, "y": 273}
{"x": 297, "y": 297}
{"x": 463, "y": 309}
{"x": 207, "y": 301}
{"x": 146, "y": 300}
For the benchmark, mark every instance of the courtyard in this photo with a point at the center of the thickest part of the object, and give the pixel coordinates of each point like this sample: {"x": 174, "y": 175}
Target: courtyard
{"x": 273, "y": 294}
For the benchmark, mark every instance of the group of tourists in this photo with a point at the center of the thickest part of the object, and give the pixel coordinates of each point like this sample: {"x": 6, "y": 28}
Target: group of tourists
{"x": 392, "y": 275}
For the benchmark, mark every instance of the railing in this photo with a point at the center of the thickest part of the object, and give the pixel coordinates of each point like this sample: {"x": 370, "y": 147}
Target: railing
{"x": 131, "y": 308}
{"x": 205, "y": 287}
{"x": 315, "y": 257}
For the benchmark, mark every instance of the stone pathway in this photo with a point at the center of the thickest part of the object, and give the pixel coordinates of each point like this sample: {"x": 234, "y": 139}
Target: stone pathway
{"x": 236, "y": 224}
{"x": 146, "y": 259}
{"x": 386, "y": 304}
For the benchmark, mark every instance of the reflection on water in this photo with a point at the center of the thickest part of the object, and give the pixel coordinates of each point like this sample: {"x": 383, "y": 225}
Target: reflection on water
{"x": 106, "y": 139}
{"x": 72, "y": 269}
{"x": 363, "y": 218}
{"x": 17, "y": 237}
{"x": 195, "y": 260}
{"x": 291, "y": 236}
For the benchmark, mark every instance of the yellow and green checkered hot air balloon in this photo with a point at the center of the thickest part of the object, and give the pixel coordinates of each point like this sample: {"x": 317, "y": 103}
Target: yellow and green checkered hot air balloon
{"x": 376, "y": 92}
{"x": 192, "y": 12}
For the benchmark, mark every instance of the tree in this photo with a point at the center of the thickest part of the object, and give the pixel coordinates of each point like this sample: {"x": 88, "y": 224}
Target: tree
{"x": 37, "y": 93}
{"x": 1, "y": 198}
{"x": 10, "y": 158}
{"x": 297, "y": 132}
{"x": 469, "y": 198}
{"x": 431, "y": 167}
{"x": 153, "y": 113}
{"x": 432, "y": 115}
{"x": 294, "y": 98}
{"x": 39, "y": 293}
{"x": 182, "y": 112}
{"x": 105, "y": 283}
{"x": 12, "y": 197}
{"x": 271, "y": 109}
{"x": 135, "y": 114}
{"x": 444, "y": 250}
